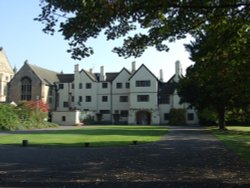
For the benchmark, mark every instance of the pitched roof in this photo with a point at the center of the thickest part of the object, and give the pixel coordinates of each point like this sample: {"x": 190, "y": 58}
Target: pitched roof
{"x": 167, "y": 88}
{"x": 110, "y": 76}
{"x": 5, "y": 66}
{"x": 124, "y": 69}
{"x": 146, "y": 69}
{"x": 91, "y": 75}
{"x": 47, "y": 76}
{"x": 65, "y": 78}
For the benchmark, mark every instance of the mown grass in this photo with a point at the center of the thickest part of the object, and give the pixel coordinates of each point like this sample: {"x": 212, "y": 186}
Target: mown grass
{"x": 236, "y": 138}
{"x": 97, "y": 136}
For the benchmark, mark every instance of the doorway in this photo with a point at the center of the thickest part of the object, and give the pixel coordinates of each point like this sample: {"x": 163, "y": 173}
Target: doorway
{"x": 143, "y": 118}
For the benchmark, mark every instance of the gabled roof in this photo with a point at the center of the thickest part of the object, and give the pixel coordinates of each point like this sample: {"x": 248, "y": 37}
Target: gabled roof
{"x": 45, "y": 75}
{"x": 5, "y": 66}
{"x": 146, "y": 69}
{"x": 91, "y": 75}
{"x": 123, "y": 69}
{"x": 65, "y": 78}
{"x": 167, "y": 88}
{"x": 110, "y": 76}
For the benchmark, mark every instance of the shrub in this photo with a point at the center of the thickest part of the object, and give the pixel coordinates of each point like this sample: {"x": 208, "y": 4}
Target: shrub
{"x": 34, "y": 111}
{"x": 177, "y": 116}
{"x": 207, "y": 117}
{"x": 9, "y": 120}
{"x": 26, "y": 115}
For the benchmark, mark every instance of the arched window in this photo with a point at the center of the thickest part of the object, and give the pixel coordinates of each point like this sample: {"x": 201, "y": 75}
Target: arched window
{"x": 26, "y": 89}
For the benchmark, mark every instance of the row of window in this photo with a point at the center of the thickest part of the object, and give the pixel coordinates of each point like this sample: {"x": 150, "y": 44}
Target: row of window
{"x": 140, "y": 98}
{"x": 119, "y": 85}
{"x": 104, "y": 99}
{"x": 123, "y": 113}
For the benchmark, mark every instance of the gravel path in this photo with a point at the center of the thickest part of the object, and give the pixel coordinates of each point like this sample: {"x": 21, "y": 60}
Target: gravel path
{"x": 186, "y": 157}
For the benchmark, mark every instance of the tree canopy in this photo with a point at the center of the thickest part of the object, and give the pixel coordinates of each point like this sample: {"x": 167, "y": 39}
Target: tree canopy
{"x": 220, "y": 78}
{"x": 161, "y": 21}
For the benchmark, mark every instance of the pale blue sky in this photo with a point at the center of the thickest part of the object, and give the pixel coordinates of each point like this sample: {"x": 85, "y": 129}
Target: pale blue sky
{"x": 23, "y": 39}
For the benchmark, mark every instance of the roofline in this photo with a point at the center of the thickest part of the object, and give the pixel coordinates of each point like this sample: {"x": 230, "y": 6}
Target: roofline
{"x": 30, "y": 66}
{"x": 87, "y": 74}
{"x": 147, "y": 70}
{"x": 121, "y": 72}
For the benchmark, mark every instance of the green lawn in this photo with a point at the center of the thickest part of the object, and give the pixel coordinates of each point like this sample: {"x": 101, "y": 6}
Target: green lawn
{"x": 236, "y": 138}
{"x": 95, "y": 135}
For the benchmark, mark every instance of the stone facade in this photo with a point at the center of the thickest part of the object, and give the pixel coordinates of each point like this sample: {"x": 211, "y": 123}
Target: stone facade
{"x": 33, "y": 83}
{"x": 6, "y": 74}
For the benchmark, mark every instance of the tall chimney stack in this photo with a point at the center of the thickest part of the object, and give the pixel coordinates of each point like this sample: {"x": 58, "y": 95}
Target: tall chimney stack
{"x": 178, "y": 71}
{"x": 161, "y": 75}
{"x": 76, "y": 67}
{"x": 133, "y": 67}
{"x": 102, "y": 73}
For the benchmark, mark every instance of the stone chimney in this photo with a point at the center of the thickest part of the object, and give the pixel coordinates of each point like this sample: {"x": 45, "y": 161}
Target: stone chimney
{"x": 76, "y": 68}
{"x": 133, "y": 67}
{"x": 102, "y": 73}
{"x": 178, "y": 71}
{"x": 161, "y": 75}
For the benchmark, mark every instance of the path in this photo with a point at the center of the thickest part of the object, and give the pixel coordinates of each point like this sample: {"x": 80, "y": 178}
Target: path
{"x": 186, "y": 157}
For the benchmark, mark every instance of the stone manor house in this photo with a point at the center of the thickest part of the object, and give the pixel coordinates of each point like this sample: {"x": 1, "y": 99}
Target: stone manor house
{"x": 127, "y": 97}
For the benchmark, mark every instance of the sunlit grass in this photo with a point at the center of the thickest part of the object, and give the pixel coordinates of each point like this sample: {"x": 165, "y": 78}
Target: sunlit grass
{"x": 95, "y": 135}
{"x": 236, "y": 138}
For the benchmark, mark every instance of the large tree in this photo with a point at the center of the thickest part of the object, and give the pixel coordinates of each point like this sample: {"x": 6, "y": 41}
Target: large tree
{"x": 220, "y": 78}
{"x": 160, "y": 21}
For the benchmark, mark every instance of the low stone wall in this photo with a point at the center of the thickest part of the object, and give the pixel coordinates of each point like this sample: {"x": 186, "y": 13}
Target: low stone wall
{"x": 66, "y": 118}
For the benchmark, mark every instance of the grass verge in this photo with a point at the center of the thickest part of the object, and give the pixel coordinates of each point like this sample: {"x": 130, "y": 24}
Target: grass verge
{"x": 96, "y": 136}
{"x": 236, "y": 138}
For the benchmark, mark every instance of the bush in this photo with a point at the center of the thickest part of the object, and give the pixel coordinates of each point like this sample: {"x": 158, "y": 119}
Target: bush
{"x": 8, "y": 117}
{"x": 177, "y": 116}
{"x": 207, "y": 117}
{"x": 24, "y": 116}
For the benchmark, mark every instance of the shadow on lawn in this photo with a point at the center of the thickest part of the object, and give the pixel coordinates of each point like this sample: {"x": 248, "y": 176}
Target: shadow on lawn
{"x": 95, "y": 131}
{"x": 233, "y": 133}
{"x": 83, "y": 144}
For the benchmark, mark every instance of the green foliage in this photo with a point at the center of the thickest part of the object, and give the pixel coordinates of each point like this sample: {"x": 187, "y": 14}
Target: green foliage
{"x": 177, "y": 116}
{"x": 153, "y": 23}
{"x": 207, "y": 117}
{"x": 22, "y": 117}
{"x": 87, "y": 118}
{"x": 238, "y": 116}
{"x": 9, "y": 120}
{"x": 220, "y": 78}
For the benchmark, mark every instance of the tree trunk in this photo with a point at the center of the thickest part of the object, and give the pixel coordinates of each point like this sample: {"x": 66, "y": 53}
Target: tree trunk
{"x": 221, "y": 117}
